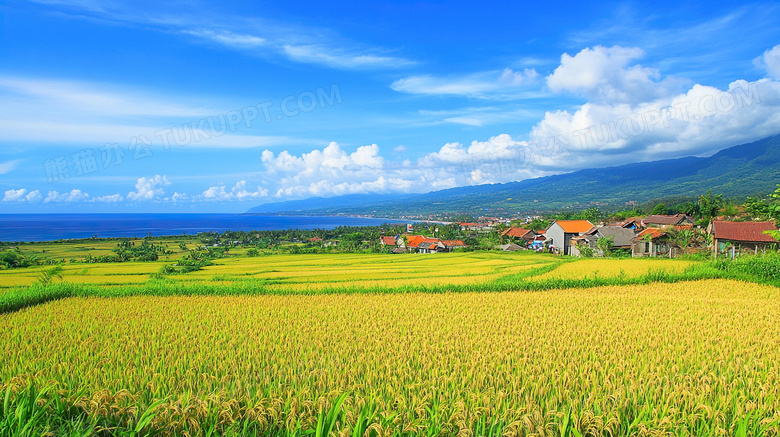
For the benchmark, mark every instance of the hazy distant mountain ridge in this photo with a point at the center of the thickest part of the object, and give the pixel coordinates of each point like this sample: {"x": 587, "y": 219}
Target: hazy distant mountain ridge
{"x": 739, "y": 171}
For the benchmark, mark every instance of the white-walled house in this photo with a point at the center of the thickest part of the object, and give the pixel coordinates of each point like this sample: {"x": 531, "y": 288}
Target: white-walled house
{"x": 560, "y": 233}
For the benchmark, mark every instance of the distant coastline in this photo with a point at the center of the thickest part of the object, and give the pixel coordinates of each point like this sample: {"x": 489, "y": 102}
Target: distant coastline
{"x": 386, "y": 219}
{"x": 51, "y": 227}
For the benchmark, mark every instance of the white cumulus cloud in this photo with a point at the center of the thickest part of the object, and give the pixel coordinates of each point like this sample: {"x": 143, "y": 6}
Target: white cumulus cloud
{"x": 770, "y": 61}
{"x": 21, "y": 195}
{"x": 111, "y": 198}
{"x": 605, "y": 74}
{"x": 239, "y": 192}
{"x": 73, "y": 196}
{"x": 149, "y": 188}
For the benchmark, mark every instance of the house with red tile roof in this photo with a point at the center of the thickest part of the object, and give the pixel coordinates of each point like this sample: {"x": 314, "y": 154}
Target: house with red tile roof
{"x": 467, "y": 226}
{"x": 655, "y": 242}
{"x": 388, "y": 241}
{"x": 518, "y": 235}
{"x": 651, "y": 242}
{"x": 740, "y": 236}
{"x": 453, "y": 244}
{"x": 423, "y": 244}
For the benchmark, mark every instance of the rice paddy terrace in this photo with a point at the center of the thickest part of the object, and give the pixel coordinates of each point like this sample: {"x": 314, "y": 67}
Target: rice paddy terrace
{"x": 375, "y": 345}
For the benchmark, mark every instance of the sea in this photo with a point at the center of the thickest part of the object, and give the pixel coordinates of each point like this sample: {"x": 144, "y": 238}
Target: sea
{"x": 49, "y": 227}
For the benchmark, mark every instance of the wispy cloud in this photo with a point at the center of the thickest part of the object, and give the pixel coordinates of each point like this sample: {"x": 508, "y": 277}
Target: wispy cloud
{"x": 687, "y": 46}
{"x": 479, "y": 115}
{"x": 319, "y": 54}
{"x": 40, "y": 97}
{"x": 228, "y": 39}
{"x": 253, "y": 35}
{"x": 502, "y": 84}
{"x": 67, "y": 134}
{"x": 67, "y": 112}
{"x": 8, "y": 166}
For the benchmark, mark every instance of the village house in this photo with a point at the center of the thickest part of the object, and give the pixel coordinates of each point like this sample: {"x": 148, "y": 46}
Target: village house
{"x": 665, "y": 221}
{"x": 422, "y": 244}
{"x": 453, "y": 244}
{"x": 741, "y": 236}
{"x": 468, "y": 226}
{"x": 388, "y": 241}
{"x": 519, "y": 236}
{"x": 652, "y": 242}
{"x": 621, "y": 238}
{"x": 510, "y": 247}
{"x": 560, "y": 233}
{"x": 634, "y": 223}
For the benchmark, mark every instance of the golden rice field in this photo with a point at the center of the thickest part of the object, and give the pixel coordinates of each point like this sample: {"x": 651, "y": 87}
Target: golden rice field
{"x": 692, "y": 358}
{"x": 301, "y": 272}
{"x": 613, "y": 268}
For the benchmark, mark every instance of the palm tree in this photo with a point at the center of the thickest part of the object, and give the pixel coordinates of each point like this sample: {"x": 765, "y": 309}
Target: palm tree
{"x": 47, "y": 275}
{"x": 682, "y": 238}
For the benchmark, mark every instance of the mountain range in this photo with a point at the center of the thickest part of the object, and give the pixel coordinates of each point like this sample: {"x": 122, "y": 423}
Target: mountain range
{"x": 737, "y": 172}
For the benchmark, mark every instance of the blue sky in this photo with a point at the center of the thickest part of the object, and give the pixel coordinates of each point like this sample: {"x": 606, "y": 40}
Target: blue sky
{"x": 185, "y": 106}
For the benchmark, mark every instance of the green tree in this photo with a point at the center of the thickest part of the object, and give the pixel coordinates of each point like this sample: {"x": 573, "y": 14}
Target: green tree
{"x": 659, "y": 209}
{"x": 592, "y": 214}
{"x": 585, "y": 250}
{"x": 682, "y": 238}
{"x": 709, "y": 205}
{"x": 625, "y": 214}
{"x": 605, "y": 245}
{"x": 758, "y": 208}
{"x": 46, "y": 275}
{"x": 537, "y": 224}
{"x": 774, "y": 209}
{"x": 688, "y": 208}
